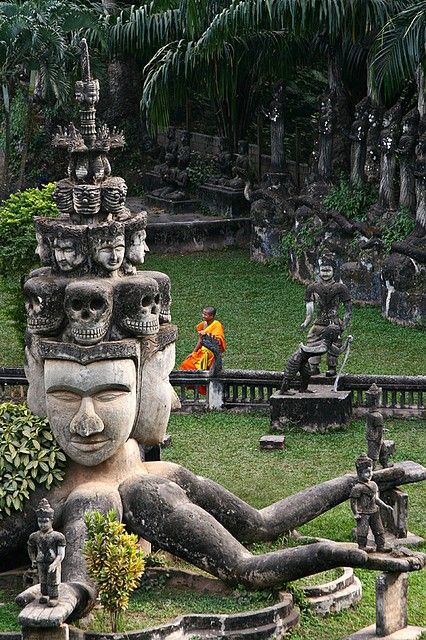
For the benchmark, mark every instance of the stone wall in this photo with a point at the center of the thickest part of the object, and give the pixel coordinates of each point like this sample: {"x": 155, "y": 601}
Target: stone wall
{"x": 209, "y": 146}
{"x": 198, "y": 235}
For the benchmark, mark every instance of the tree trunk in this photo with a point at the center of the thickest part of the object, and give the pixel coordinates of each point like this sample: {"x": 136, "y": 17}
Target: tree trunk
{"x": 7, "y": 137}
{"x": 421, "y": 91}
{"x": 342, "y": 117}
{"x": 27, "y": 129}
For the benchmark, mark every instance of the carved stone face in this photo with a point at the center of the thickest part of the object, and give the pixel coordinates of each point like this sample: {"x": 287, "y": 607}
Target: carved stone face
{"x": 135, "y": 251}
{"x": 43, "y": 250}
{"x": 69, "y": 253}
{"x": 110, "y": 254}
{"x": 326, "y": 272}
{"x": 91, "y": 409}
{"x": 81, "y": 169}
{"x": 88, "y": 305}
{"x": 138, "y": 306}
{"x": 44, "y": 304}
{"x": 87, "y": 199}
{"x": 114, "y": 195}
{"x": 63, "y": 196}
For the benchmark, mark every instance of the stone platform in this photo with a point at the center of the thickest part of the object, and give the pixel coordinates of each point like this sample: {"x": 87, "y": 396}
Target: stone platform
{"x": 172, "y": 206}
{"x": 319, "y": 411}
{"x": 230, "y": 203}
{"x": 369, "y": 633}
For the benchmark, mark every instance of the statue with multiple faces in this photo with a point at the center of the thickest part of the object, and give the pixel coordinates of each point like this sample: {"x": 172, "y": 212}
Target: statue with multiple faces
{"x": 100, "y": 347}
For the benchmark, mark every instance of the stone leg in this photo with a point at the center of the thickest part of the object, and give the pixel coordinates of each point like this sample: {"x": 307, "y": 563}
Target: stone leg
{"x": 161, "y": 512}
{"x": 378, "y": 530}
{"x": 362, "y": 526}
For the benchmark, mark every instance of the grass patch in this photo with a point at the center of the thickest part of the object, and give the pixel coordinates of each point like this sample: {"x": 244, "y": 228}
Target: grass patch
{"x": 160, "y": 604}
{"x": 261, "y": 309}
{"x": 8, "y": 611}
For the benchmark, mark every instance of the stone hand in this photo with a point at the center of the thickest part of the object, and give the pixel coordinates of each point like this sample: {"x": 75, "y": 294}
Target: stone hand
{"x": 55, "y": 564}
{"x": 304, "y": 325}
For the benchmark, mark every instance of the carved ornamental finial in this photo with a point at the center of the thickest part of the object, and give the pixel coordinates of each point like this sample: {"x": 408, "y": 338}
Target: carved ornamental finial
{"x": 85, "y": 61}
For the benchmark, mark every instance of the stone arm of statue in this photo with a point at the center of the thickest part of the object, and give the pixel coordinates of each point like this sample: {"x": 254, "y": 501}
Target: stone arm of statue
{"x": 179, "y": 506}
{"x": 347, "y": 315}
{"x": 335, "y": 350}
{"x": 58, "y": 560}
{"x": 309, "y": 315}
{"x": 383, "y": 504}
{"x": 354, "y": 507}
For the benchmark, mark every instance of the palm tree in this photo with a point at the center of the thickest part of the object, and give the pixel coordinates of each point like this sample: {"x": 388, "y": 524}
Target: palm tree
{"x": 399, "y": 53}
{"x": 37, "y": 40}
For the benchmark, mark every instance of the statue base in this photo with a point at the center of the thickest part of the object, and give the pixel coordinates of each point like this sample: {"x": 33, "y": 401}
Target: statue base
{"x": 316, "y": 412}
{"x": 46, "y": 633}
{"x": 369, "y": 633}
{"x": 230, "y": 203}
{"x": 173, "y": 206}
{"x": 151, "y": 180}
{"x": 407, "y": 308}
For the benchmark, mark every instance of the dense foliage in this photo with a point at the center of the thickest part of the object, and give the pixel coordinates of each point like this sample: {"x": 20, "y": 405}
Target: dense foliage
{"x": 17, "y": 237}
{"x": 351, "y": 201}
{"x": 114, "y": 561}
{"x": 29, "y": 456}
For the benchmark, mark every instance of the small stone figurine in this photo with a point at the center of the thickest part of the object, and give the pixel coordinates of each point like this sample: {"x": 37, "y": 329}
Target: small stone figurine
{"x": 46, "y": 549}
{"x": 365, "y": 503}
{"x": 374, "y": 424}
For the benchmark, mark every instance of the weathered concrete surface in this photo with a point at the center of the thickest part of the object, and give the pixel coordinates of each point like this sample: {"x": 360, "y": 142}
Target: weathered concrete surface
{"x": 272, "y": 442}
{"x": 369, "y": 633}
{"x": 318, "y": 411}
{"x": 391, "y": 603}
{"x": 58, "y": 633}
{"x": 331, "y": 597}
{"x": 230, "y": 203}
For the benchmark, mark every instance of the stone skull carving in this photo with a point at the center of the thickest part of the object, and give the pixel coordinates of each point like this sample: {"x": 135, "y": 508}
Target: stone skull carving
{"x": 88, "y": 305}
{"x": 44, "y": 304}
{"x": 137, "y": 307}
{"x": 164, "y": 286}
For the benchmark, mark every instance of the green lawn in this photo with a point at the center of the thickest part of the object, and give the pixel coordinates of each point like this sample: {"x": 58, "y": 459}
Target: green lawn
{"x": 261, "y": 310}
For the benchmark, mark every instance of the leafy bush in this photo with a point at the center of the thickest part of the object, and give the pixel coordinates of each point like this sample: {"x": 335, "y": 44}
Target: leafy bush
{"x": 352, "y": 202}
{"x": 17, "y": 236}
{"x": 200, "y": 170}
{"x": 29, "y": 456}
{"x": 114, "y": 561}
{"x": 398, "y": 228}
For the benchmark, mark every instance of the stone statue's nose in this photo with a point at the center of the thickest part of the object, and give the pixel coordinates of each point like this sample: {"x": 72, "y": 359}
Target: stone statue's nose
{"x": 86, "y": 421}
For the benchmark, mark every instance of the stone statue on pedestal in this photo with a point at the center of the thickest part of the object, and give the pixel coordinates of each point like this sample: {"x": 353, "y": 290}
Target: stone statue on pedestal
{"x": 46, "y": 549}
{"x": 326, "y": 296}
{"x": 405, "y": 151}
{"x": 365, "y": 503}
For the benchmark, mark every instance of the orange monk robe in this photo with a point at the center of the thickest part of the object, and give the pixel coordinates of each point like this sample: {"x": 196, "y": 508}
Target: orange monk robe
{"x": 203, "y": 358}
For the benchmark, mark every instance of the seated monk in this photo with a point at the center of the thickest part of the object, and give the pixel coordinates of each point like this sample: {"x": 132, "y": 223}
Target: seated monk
{"x": 210, "y": 345}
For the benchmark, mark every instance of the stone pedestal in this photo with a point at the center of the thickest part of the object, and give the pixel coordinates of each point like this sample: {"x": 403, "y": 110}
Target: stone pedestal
{"x": 320, "y": 411}
{"x": 230, "y": 203}
{"x": 46, "y": 633}
{"x": 173, "y": 206}
{"x": 391, "y": 603}
{"x": 151, "y": 181}
{"x": 391, "y": 611}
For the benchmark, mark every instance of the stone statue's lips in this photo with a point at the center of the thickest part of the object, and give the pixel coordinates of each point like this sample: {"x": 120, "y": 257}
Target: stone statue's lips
{"x": 88, "y": 444}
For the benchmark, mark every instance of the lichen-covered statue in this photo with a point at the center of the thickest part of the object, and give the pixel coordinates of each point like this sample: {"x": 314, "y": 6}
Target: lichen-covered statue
{"x": 100, "y": 374}
{"x": 325, "y": 297}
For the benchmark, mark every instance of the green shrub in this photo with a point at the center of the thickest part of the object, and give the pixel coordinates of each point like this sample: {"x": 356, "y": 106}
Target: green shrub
{"x": 352, "y": 202}
{"x": 29, "y": 456}
{"x": 114, "y": 561}
{"x": 17, "y": 236}
{"x": 401, "y": 224}
{"x": 200, "y": 170}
